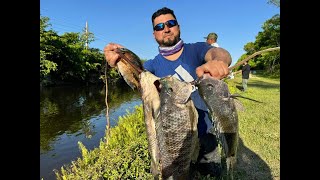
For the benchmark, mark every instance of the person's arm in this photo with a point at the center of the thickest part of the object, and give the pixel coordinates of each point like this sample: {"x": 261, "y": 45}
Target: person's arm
{"x": 217, "y": 62}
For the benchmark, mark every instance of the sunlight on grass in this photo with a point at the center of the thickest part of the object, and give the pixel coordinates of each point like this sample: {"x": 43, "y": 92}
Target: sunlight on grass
{"x": 260, "y": 127}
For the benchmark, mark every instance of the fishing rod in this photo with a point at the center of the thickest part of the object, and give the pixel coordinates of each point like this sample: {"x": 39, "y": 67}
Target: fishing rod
{"x": 252, "y": 56}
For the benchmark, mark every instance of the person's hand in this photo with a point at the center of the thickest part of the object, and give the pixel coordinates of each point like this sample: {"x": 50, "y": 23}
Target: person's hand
{"x": 216, "y": 69}
{"x": 111, "y": 56}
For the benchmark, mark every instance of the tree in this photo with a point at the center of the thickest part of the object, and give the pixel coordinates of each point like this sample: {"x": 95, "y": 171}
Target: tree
{"x": 268, "y": 38}
{"x": 66, "y": 58}
{"x": 46, "y": 65}
{"x": 274, "y": 2}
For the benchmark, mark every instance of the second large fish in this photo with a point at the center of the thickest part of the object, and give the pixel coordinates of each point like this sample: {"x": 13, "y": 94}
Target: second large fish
{"x": 222, "y": 107}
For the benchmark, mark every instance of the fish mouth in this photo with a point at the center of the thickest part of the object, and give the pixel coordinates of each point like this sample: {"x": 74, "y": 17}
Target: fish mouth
{"x": 157, "y": 84}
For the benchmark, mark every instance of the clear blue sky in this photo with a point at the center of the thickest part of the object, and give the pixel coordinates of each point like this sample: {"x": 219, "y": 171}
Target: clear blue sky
{"x": 128, "y": 22}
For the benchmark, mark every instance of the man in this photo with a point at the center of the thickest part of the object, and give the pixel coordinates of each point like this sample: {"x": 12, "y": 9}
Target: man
{"x": 245, "y": 75}
{"x": 212, "y": 39}
{"x": 186, "y": 61}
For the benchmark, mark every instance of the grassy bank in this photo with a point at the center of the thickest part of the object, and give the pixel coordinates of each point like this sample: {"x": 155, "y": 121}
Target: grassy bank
{"x": 259, "y": 147}
{"x": 125, "y": 156}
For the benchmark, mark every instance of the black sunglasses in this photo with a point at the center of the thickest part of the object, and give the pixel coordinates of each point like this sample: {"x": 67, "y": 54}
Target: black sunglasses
{"x": 160, "y": 26}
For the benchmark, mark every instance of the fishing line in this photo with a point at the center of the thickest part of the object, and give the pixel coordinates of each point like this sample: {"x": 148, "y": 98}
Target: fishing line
{"x": 106, "y": 100}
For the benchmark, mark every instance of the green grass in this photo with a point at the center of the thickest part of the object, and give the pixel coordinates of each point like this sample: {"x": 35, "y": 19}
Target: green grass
{"x": 125, "y": 156}
{"x": 259, "y": 147}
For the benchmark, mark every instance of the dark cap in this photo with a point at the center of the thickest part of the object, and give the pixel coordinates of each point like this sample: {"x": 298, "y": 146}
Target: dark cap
{"x": 212, "y": 36}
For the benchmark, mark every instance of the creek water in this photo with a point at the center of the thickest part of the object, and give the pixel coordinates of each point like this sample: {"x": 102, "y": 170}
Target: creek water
{"x": 69, "y": 114}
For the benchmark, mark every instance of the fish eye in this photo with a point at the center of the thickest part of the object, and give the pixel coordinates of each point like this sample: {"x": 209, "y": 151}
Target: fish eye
{"x": 211, "y": 85}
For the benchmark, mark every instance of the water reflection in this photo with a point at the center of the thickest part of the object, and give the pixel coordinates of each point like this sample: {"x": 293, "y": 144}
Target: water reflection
{"x": 74, "y": 113}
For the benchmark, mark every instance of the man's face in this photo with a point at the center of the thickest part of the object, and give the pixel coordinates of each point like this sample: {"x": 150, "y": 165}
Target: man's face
{"x": 168, "y": 36}
{"x": 210, "y": 41}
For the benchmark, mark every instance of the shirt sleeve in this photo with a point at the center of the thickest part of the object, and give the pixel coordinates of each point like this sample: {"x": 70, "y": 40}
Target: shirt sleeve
{"x": 202, "y": 48}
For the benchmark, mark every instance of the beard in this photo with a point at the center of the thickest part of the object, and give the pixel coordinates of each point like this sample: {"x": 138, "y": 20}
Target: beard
{"x": 169, "y": 42}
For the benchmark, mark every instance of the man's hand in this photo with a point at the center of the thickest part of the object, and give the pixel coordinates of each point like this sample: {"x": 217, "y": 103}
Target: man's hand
{"x": 111, "y": 56}
{"x": 217, "y": 62}
{"x": 216, "y": 69}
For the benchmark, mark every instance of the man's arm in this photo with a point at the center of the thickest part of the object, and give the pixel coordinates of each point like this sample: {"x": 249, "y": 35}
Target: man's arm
{"x": 217, "y": 62}
{"x": 218, "y": 54}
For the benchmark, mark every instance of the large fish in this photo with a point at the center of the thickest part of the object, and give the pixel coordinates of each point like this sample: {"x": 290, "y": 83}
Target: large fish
{"x": 171, "y": 122}
{"x": 151, "y": 107}
{"x": 222, "y": 107}
{"x": 131, "y": 69}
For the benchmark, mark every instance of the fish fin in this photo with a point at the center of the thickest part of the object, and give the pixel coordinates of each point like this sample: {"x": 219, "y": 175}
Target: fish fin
{"x": 224, "y": 143}
{"x": 132, "y": 85}
{"x": 238, "y": 105}
{"x": 238, "y": 95}
{"x": 221, "y": 137}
